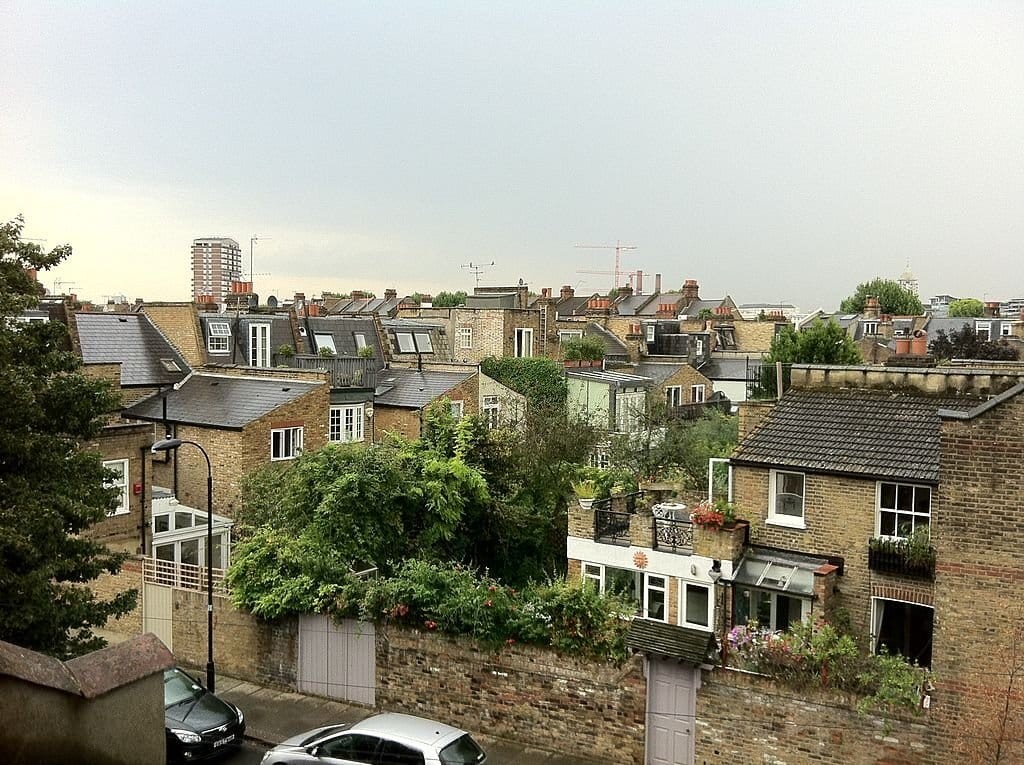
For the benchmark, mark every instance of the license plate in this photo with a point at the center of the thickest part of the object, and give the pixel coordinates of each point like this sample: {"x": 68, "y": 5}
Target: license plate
{"x": 223, "y": 741}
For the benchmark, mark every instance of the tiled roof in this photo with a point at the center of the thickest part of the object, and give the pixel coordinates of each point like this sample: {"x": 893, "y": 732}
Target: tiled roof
{"x": 860, "y": 432}
{"x": 146, "y": 357}
{"x": 221, "y": 401}
{"x": 412, "y": 389}
{"x": 613, "y": 346}
{"x": 669, "y": 640}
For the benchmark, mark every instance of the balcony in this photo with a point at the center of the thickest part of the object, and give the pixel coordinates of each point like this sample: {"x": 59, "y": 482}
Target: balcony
{"x": 612, "y": 526}
{"x": 344, "y": 371}
{"x": 901, "y": 557}
{"x": 182, "y": 576}
{"x": 674, "y": 536}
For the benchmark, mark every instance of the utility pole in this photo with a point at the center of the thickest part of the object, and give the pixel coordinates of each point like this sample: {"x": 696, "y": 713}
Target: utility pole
{"x": 477, "y": 268}
{"x": 618, "y": 247}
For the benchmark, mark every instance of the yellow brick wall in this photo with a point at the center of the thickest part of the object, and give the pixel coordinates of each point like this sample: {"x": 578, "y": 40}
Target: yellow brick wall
{"x": 179, "y": 322}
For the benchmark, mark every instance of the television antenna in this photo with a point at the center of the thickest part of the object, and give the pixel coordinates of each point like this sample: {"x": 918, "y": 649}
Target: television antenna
{"x": 618, "y": 247}
{"x": 252, "y": 240}
{"x": 477, "y": 268}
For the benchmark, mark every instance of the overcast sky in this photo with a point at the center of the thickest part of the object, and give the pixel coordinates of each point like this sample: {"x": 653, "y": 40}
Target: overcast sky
{"x": 771, "y": 151}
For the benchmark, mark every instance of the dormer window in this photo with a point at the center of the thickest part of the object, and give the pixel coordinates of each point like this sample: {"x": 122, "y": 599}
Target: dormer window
{"x": 217, "y": 339}
{"x": 869, "y": 327}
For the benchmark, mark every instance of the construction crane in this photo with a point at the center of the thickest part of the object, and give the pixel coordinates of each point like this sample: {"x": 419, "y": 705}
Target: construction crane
{"x": 477, "y": 268}
{"x": 618, "y": 247}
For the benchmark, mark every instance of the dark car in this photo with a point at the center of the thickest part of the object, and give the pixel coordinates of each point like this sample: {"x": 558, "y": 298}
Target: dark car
{"x": 199, "y": 725}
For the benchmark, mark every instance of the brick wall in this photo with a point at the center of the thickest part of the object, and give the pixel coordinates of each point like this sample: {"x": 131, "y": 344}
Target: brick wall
{"x": 519, "y": 693}
{"x": 743, "y": 718}
{"x": 751, "y": 414}
{"x": 179, "y": 323}
{"x": 754, "y": 336}
{"x": 131, "y": 442}
{"x": 243, "y": 646}
{"x": 685, "y": 377}
{"x": 234, "y": 454}
{"x": 106, "y": 586}
{"x": 397, "y": 420}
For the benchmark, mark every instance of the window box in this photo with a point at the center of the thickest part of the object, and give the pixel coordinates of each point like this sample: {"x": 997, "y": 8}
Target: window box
{"x": 903, "y": 557}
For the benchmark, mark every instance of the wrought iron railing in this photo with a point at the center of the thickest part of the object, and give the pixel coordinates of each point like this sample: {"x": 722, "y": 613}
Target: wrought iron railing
{"x": 183, "y": 576}
{"x": 673, "y": 536}
{"x": 611, "y": 526}
{"x": 345, "y": 371}
{"x": 762, "y": 379}
{"x": 895, "y": 556}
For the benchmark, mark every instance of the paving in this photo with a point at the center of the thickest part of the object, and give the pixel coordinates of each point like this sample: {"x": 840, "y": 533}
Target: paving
{"x": 272, "y": 715}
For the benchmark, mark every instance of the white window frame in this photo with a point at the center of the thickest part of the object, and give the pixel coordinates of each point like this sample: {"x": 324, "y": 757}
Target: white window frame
{"x": 708, "y": 614}
{"x": 491, "y": 411}
{"x": 524, "y": 342}
{"x": 286, "y": 443}
{"x": 876, "y": 618}
{"x": 465, "y": 338}
{"x": 423, "y": 342}
{"x": 630, "y": 406}
{"x": 259, "y": 345}
{"x": 218, "y": 337}
{"x": 674, "y": 395}
{"x": 917, "y": 519}
{"x": 360, "y": 339}
{"x": 711, "y": 477}
{"x": 325, "y": 340}
{"x": 869, "y": 327}
{"x": 649, "y": 331}
{"x": 1005, "y": 329}
{"x": 697, "y": 394}
{"x": 785, "y": 519}
{"x": 983, "y": 327}
{"x": 565, "y": 335}
{"x": 594, "y": 572}
{"x": 805, "y": 605}
{"x": 599, "y": 457}
{"x": 699, "y": 346}
{"x": 118, "y": 466}
{"x": 458, "y": 409}
{"x": 406, "y": 343}
{"x": 650, "y": 587}
{"x": 345, "y": 423}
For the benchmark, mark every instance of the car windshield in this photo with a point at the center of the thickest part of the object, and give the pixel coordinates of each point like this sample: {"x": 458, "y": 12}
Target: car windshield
{"x": 179, "y": 687}
{"x": 462, "y": 751}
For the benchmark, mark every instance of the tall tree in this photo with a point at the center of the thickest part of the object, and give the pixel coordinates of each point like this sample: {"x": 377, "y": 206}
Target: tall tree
{"x": 968, "y": 307}
{"x": 892, "y": 298}
{"x": 823, "y": 342}
{"x": 50, "y": 489}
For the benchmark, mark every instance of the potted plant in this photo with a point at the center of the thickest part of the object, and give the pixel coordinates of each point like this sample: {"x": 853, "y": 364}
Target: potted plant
{"x": 366, "y": 352}
{"x": 706, "y": 516}
{"x": 325, "y": 352}
{"x": 285, "y": 351}
{"x": 586, "y": 491}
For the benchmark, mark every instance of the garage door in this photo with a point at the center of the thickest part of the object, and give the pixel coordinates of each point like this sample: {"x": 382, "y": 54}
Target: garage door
{"x": 671, "y": 708}
{"x": 337, "y": 659}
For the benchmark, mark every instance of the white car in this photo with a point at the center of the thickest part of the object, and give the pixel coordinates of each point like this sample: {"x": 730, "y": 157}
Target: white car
{"x": 387, "y": 739}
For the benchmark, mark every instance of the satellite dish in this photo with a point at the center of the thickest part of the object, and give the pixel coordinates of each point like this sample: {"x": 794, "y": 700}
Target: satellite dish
{"x": 272, "y": 301}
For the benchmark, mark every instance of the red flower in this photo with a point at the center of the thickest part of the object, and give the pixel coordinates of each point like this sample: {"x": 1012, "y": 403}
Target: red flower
{"x": 488, "y": 603}
{"x": 510, "y": 641}
{"x": 430, "y": 624}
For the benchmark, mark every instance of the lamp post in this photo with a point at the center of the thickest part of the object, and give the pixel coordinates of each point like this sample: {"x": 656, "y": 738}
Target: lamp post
{"x": 169, "y": 444}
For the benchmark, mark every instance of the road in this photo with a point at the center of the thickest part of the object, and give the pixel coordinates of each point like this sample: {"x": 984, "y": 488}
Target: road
{"x": 250, "y": 753}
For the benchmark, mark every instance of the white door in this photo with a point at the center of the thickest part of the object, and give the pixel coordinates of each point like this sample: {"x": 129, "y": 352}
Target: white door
{"x": 337, "y": 659}
{"x": 157, "y": 611}
{"x": 671, "y": 708}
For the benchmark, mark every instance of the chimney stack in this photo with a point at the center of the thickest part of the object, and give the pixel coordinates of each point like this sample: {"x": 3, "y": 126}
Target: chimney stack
{"x": 625, "y": 291}
{"x": 545, "y": 292}
{"x": 567, "y": 292}
{"x": 691, "y": 290}
{"x": 871, "y": 307}
{"x": 639, "y": 282}
{"x": 657, "y": 284}
{"x": 390, "y": 294}
{"x": 992, "y": 309}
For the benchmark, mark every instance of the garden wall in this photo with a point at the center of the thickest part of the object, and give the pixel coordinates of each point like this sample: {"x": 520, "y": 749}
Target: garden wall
{"x": 745, "y": 718}
{"x": 518, "y": 693}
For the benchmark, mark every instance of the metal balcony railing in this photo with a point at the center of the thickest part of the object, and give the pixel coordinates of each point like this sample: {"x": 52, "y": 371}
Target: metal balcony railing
{"x": 345, "y": 371}
{"x": 895, "y": 556}
{"x": 611, "y": 526}
{"x": 673, "y": 536}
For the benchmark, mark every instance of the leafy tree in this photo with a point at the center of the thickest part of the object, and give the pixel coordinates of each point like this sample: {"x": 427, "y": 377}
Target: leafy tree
{"x": 583, "y": 348}
{"x": 968, "y": 307}
{"x": 964, "y": 343}
{"x": 51, "y": 490}
{"x": 541, "y": 380}
{"x": 892, "y": 298}
{"x": 667, "y": 447}
{"x": 449, "y": 299}
{"x": 823, "y": 342}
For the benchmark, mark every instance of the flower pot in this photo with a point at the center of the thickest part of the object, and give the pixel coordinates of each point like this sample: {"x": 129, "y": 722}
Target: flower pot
{"x": 586, "y": 503}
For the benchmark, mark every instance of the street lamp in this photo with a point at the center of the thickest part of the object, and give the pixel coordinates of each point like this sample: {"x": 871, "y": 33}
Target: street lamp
{"x": 169, "y": 444}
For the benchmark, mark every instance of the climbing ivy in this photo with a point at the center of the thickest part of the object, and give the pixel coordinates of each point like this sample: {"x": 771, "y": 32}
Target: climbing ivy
{"x": 541, "y": 380}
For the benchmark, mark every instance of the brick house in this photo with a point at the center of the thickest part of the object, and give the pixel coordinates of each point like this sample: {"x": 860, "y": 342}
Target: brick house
{"x": 844, "y": 469}
{"x": 467, "y": 334}
{"x": 243, "y": 419}
{"x": 404, "y": 393}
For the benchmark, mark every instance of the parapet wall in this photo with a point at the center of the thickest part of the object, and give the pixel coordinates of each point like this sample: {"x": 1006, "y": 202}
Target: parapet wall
{"x": 944, "y": 381}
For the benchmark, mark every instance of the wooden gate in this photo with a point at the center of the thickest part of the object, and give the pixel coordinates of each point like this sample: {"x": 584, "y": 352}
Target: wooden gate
{"x": 337, "y": 659}
{"x": 671, "y": 708}
{"x": 157, "y": 610}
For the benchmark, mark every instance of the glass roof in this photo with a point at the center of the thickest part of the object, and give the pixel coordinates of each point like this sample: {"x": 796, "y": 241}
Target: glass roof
{"x": 778, "y": 571}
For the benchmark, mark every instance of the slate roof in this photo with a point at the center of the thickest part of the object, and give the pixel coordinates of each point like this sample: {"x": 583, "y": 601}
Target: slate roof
{"x": 880, "y": 434}
{"x": 344, "y": 330}
{"x": 146, "y": 356}
{"x": 657, "y": 371}
{"x": 413, "y": 389}
{"x": 631, "y": 305}
{"x": 724, "y": 368}
{"x": 669, "y": 640}
{"x": 493, "y": 300}
{"x": 574, "y": 306}
{"x": 221, "y": 401}
{"x": 613, "y": 346}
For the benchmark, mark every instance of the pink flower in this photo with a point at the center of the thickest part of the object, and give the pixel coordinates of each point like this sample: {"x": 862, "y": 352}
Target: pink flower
{"x": 488, "y": 604}
{"x": 430, "y": 624}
